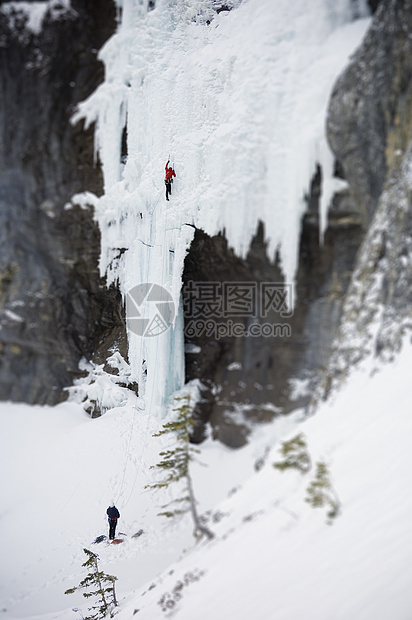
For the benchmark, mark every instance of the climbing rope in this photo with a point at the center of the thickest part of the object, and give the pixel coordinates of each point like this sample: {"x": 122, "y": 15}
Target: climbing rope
{"x": 138, "y": 468}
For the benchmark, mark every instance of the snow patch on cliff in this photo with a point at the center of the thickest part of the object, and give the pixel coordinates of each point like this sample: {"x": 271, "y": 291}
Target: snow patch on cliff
{"x": 29, "y": 16}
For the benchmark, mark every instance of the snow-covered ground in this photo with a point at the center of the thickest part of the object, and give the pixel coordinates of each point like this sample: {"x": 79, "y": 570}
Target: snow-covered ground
{"x": 273, "y": 557}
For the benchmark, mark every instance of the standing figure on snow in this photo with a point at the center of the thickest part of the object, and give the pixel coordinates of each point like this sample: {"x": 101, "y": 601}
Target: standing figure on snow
{"x": 113, "y": 515}
{"x": 170, "y": 173}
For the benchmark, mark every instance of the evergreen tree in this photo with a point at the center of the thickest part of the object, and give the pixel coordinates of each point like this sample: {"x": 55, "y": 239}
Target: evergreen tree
{"x": 106, "y": 594}
{"x": 320, "y": 492}
{"x": 295, "y": 455}
{"x": 175, "y": 466}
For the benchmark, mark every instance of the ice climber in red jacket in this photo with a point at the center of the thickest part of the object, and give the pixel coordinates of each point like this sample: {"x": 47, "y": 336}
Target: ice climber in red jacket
{"x": 170, "y": 173}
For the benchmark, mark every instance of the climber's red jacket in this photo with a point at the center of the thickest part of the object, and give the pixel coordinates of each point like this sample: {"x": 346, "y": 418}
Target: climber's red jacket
{"x": 169, "y": 172}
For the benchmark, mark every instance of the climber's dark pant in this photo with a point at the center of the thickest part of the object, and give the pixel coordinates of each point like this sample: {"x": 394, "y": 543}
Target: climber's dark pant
{"x": 168, "y": 183}
{"x": 112, "y": 528}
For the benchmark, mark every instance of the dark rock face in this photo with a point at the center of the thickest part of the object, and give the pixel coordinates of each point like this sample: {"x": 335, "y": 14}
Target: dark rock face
{"x": 373, "y": 5}
{"x": 251, "y": 379}
{"x": 54, "y": 307}
{"x": 236, "y": 367}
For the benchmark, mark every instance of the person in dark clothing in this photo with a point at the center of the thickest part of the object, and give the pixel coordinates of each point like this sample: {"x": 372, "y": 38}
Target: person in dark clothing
{"x": 170, "y": 173}
{"x": 113, "y": 515}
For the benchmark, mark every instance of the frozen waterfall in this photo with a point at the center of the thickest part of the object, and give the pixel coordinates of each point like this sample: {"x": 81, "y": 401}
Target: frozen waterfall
{"x": 237, "y": 99}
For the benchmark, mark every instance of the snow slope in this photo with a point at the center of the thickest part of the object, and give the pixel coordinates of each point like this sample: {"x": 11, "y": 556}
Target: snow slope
{"x": 273, "y": 557}
{"x": 238, "y": 101}
{"x": 286, "y": 563}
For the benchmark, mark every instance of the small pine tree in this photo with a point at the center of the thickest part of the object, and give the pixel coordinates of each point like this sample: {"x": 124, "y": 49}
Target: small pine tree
{"x": 295, "y": 455}
{"x": 175, "y": 465}
{"x": 320, "y": 493}
{"x": 97, "y": 579}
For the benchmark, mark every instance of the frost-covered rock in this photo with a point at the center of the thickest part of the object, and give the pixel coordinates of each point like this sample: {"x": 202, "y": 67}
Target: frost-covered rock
{"x": 369, "y": 128}
{"x": 377, "y": 313}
